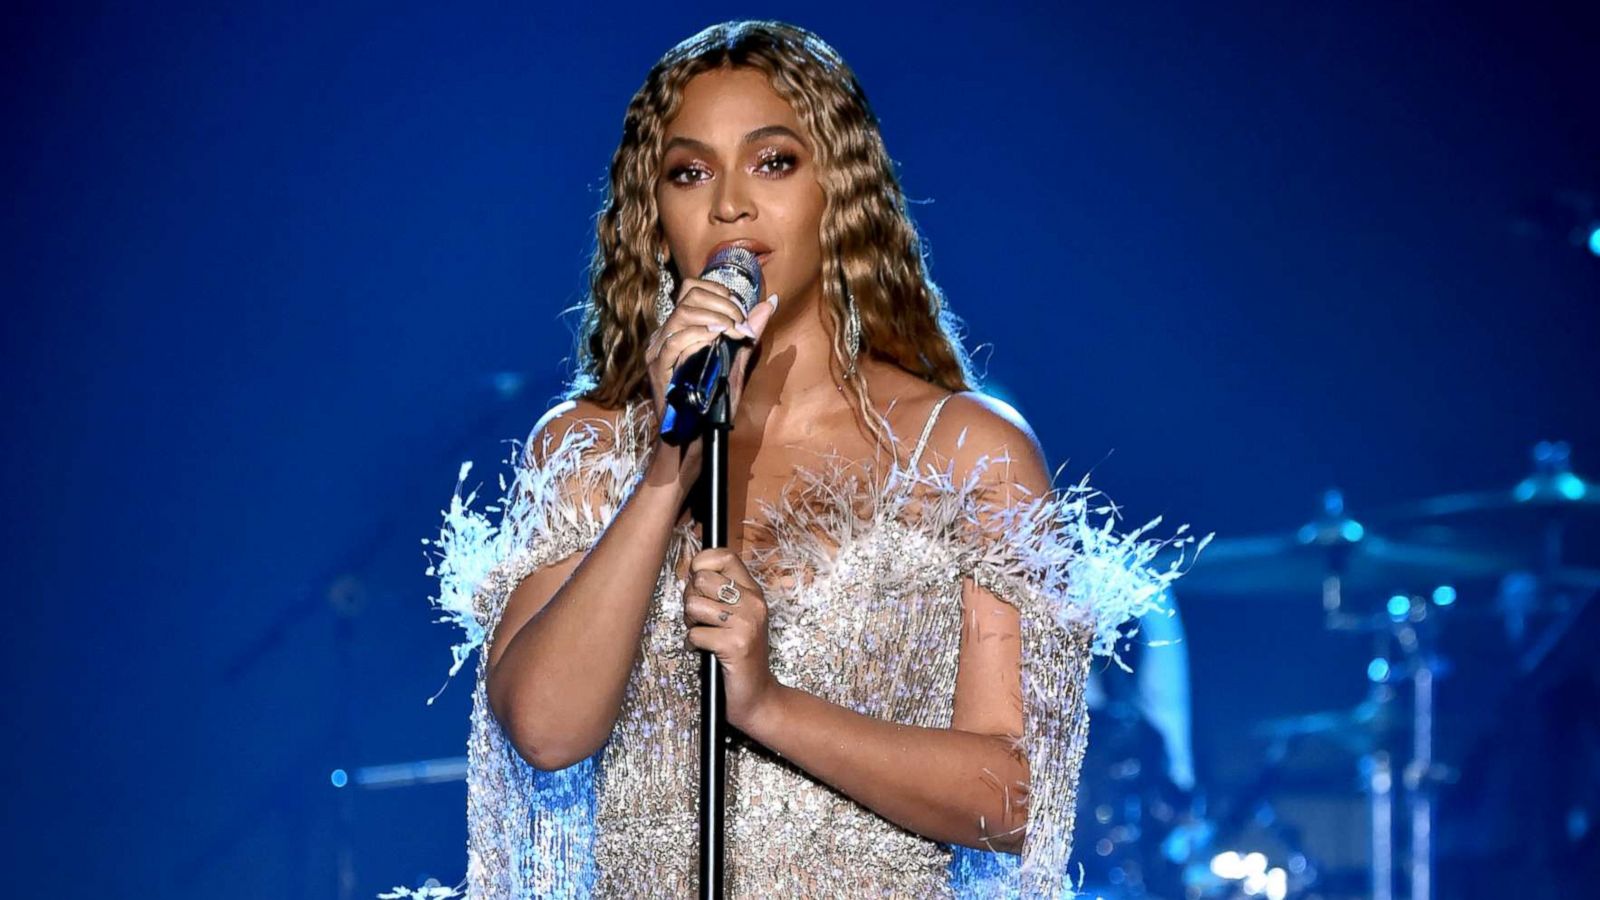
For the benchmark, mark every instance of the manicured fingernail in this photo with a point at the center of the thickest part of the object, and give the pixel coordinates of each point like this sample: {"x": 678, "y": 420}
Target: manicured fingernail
{"x": 773, "y": 300}
{"x": 745, "y": 327}
{"x": 717, "y": 327}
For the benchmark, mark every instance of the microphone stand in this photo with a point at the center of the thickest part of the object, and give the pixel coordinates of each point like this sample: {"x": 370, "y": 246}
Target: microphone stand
{"x": 699, "y": 406}
{"x": 713, "y": 703}
{"x": 712, "y": 430}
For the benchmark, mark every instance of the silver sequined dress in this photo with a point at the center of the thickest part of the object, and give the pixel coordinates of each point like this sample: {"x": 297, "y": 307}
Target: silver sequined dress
{"x": 863, "y": 580}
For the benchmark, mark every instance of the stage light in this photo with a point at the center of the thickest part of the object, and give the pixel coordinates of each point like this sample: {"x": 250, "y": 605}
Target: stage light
{"x": 1378, "y": 670}
{"x": 1399, "y": 607}
{"x": 1277, "y": 884}
{"x": 1228, "y": 864}
{"x": 339, "y": 778}
{"x": 1594, "y": 239}
{"x": 1444, "y": 595}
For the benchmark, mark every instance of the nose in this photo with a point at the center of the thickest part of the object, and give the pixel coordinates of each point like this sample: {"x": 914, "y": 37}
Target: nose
{"x": 732, "y": 199}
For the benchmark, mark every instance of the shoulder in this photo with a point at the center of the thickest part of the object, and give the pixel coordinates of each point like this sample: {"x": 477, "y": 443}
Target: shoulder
{"x": 977, "y": 431}
{"x": 578, "y": 417}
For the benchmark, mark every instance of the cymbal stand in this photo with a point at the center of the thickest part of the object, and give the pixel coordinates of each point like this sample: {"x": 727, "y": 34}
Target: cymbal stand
{"x": 1412, "y": 626}
{"x": 1380, "y": 814}
{"x": 1409, "y": 623}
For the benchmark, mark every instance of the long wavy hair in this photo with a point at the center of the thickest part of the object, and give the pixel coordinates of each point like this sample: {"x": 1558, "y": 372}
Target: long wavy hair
{"x": 872, "y": 251}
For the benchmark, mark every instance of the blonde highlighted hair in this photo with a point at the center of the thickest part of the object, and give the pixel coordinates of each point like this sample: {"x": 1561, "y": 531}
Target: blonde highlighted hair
{"x": 871, "y": 248}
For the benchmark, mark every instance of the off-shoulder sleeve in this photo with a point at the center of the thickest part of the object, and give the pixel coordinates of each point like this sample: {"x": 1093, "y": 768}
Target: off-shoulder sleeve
{"x": 1075, "y": 579}
{"x": 562, "y": 494}
{"x": 529, "y": 831}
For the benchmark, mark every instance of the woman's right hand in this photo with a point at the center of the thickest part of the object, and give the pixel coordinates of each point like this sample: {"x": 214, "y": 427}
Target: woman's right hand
{"x": 704, "y": 310}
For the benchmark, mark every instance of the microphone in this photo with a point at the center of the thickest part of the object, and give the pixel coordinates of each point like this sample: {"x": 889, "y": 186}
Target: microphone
{"x": 699, "y": 380}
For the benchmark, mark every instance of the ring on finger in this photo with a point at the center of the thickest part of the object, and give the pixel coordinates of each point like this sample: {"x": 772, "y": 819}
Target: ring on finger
{"x": 729, "y": 593}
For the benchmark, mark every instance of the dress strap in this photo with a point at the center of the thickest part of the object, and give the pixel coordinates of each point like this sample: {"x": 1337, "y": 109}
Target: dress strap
{"x": 926, "y": 430}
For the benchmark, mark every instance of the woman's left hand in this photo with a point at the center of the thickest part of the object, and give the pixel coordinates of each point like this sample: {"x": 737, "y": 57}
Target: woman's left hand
{"x": 736, "y": 632}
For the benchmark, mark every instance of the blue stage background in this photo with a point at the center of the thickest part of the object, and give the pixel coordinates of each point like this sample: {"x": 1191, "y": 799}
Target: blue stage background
{"x": 273, "y": 271}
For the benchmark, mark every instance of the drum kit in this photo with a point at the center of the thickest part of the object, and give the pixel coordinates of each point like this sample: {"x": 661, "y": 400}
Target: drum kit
{"x": 1508, "y": 562}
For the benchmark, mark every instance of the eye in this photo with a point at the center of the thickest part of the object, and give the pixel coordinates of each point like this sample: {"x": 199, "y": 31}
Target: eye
{"x": 675, "y": 174}
{"x": 777, "y": 157}
{"x": 772, "y": 162}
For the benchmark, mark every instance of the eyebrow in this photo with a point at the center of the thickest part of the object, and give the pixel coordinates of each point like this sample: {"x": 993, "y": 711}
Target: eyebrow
{"x": 752, "y": 137}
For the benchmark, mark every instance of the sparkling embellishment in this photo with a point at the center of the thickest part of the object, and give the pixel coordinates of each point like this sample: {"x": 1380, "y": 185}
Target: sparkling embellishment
{"x": 863, "y": 580}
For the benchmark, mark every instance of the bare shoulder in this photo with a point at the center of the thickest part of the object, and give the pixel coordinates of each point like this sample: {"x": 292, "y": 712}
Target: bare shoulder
{"x": 973, "y": 425}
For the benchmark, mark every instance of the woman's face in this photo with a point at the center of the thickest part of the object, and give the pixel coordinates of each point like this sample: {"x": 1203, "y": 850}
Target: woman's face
{"x": 737, "y": 164}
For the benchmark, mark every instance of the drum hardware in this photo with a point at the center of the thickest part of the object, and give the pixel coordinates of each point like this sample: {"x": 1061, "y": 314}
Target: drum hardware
{"x": 1129, "y": 809}
{"x": 1250, "y": 821}
{"x": 1513, "y": 537}
{"x": 1341, "y": 555}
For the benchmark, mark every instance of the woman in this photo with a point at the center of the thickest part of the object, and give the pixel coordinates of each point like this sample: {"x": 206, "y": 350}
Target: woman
{"x": 904, "y": 626}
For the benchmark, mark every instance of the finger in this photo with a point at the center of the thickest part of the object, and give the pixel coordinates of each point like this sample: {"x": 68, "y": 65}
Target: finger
{"x": 762, "y": 314}
{"x": 706, "y": 637}
{"x": 723, "y": 301}
{"x": 755, "y": 322}
{"x": 688, "y": 317}
{"x": 708, "y": 581}
{"x": 703, "y": 611}
{"x": 727, "y": 643}
{"x": 711, "y": 295}
{"x": 715, "y": 287}
{"x": 687, "y": 339}
{"x": 670, "y": 342}
{"x": 708, "y": 585}
{"x": 714, "y": 559}
{"x": 741, "y": 359}
{"x": 682, "y": 344}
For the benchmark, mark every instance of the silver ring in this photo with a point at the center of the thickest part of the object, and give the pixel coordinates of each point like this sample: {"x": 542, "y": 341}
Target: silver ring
{"x": 722, "y": 593}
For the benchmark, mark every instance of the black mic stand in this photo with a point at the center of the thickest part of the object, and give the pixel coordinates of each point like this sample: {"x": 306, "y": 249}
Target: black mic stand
{"x": 699, "y": 406}
{"x": 712, "y": 429}
{"x": 713, "y": 704}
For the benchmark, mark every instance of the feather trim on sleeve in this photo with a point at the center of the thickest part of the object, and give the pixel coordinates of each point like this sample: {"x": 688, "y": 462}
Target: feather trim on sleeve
{"x": 1076, "y": 581}
{"x": 529, "y": 832}
{"x": 1075, "y": 578}
{"x": 1062, "y": 554}
{"x": 560, "y": 499}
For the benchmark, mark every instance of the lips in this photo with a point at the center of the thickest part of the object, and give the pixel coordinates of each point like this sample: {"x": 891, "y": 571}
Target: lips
{"x": 762, "y": 251}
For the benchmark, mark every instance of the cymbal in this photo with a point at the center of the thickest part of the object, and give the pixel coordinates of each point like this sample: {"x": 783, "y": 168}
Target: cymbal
{"x": 1552, "y": 490}
{"x": 1297, "y": 563}
{"x": 1578, "y": 497}
{"x": 1358, "y": 728}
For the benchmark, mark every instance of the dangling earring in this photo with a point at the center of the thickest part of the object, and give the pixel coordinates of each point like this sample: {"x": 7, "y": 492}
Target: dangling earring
{"x": 664, "y": 289}
{"x": 852, "y": 331}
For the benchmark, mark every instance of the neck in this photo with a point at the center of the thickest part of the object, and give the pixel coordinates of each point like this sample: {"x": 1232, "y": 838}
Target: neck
{"x": 791, "y": 377}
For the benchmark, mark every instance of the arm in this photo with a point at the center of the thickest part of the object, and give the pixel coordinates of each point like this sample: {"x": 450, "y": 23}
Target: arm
{"x": 967, "y": 784}
{"x": 560, "y": 656}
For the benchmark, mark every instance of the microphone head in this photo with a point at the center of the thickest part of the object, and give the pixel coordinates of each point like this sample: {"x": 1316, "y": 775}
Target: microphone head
{"x": 736, "y": 269}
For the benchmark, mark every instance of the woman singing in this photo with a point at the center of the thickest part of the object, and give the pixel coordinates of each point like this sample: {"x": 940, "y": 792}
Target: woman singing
{"x": 908, "y": 608}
